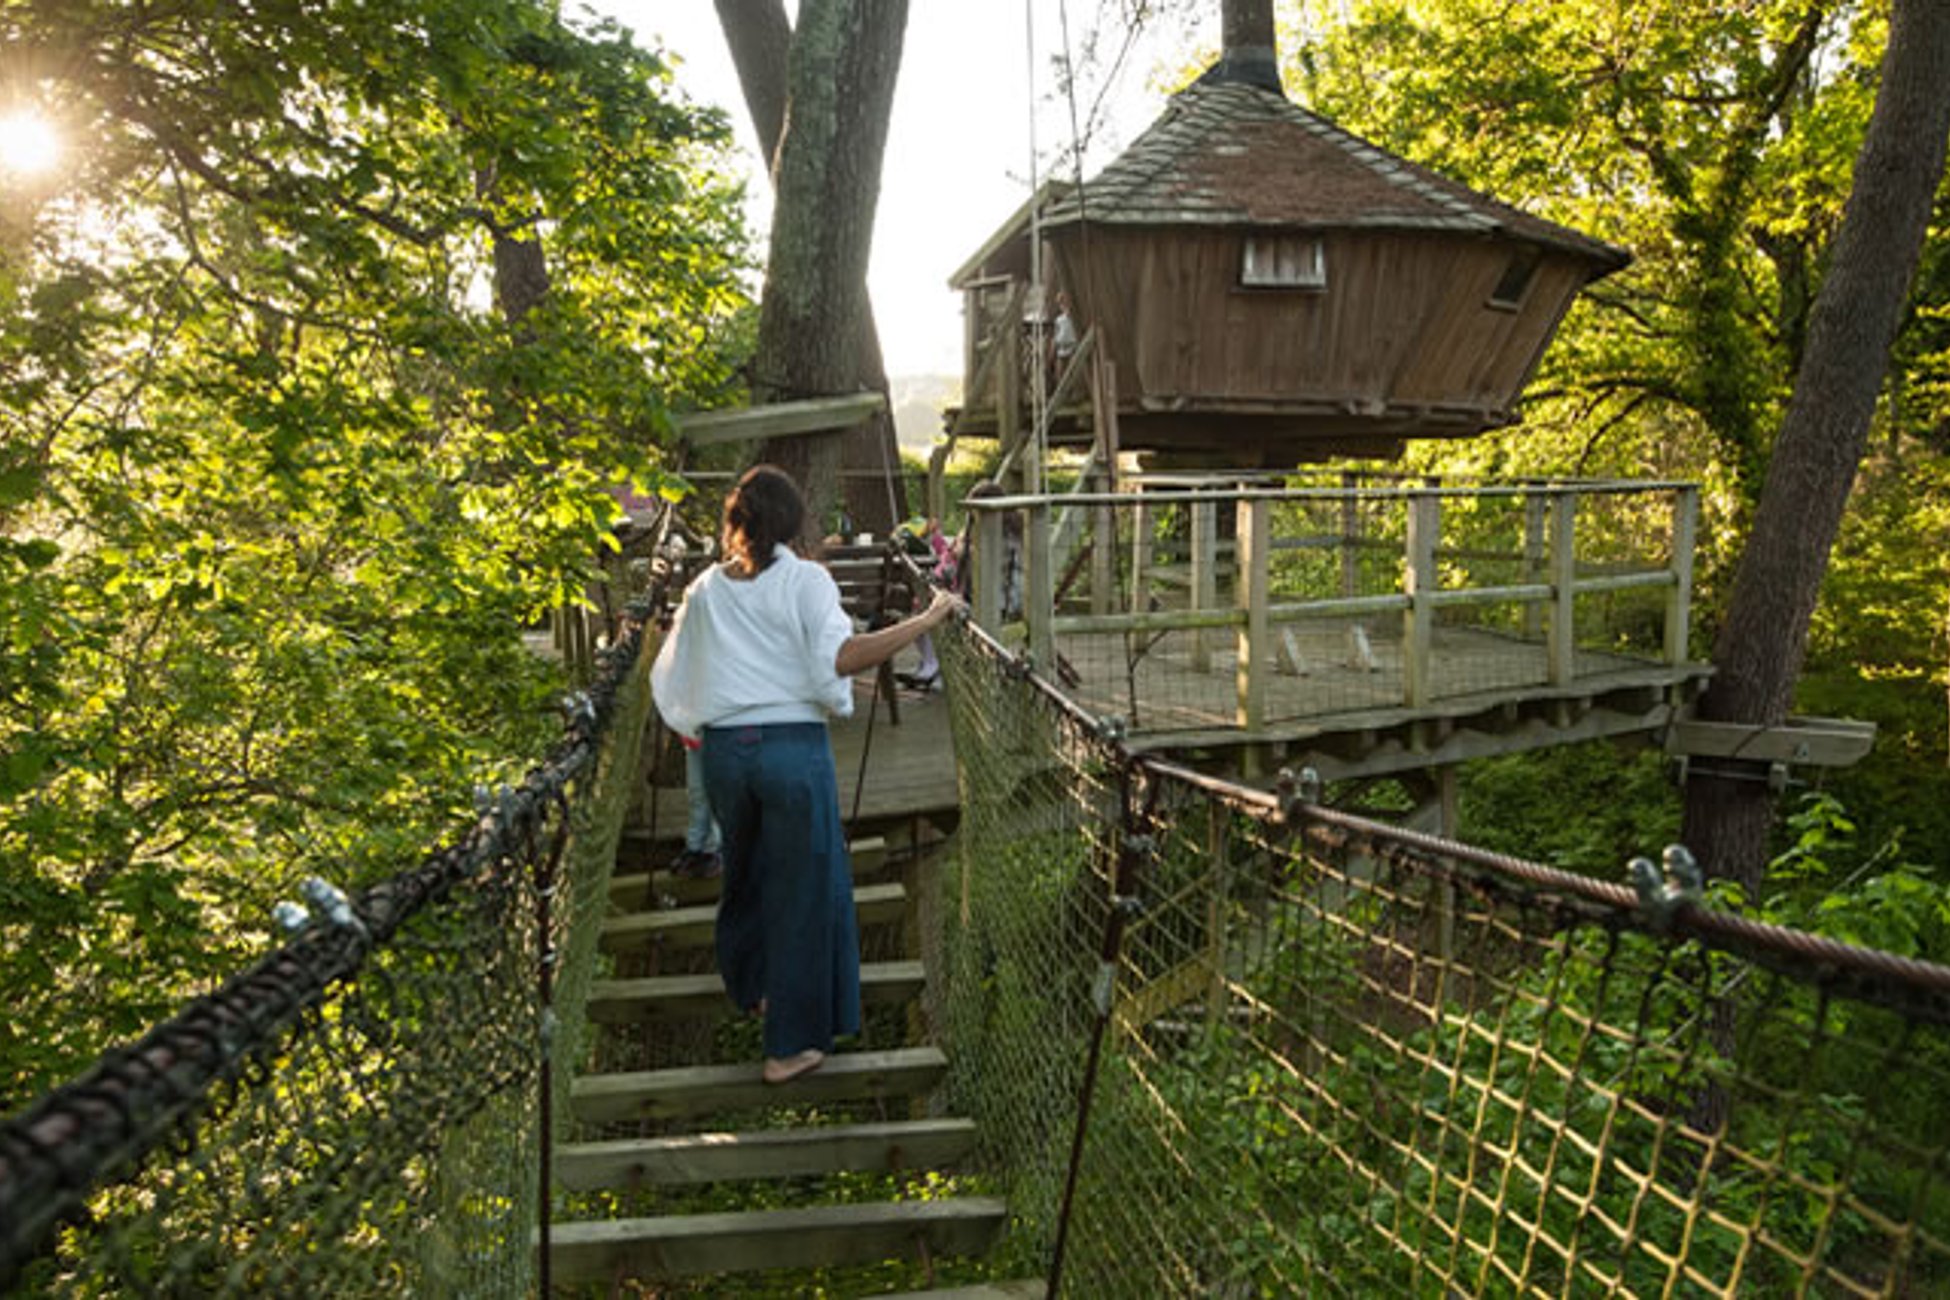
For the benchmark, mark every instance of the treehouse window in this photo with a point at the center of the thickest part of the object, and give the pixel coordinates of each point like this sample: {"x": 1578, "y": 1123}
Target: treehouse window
{"x": 1283, "y": 262}
{"x": 1516, "y": 279}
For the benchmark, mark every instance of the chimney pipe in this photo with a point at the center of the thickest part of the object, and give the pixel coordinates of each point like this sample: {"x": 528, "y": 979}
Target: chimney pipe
{"x": 1250, "y": 56}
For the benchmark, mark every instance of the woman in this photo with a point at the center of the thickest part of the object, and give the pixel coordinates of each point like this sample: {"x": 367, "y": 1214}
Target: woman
{"x": 760, "y": 653}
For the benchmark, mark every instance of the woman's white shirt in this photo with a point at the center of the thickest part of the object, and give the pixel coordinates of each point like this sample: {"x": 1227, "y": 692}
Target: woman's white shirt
{"x": 755, "y": 650}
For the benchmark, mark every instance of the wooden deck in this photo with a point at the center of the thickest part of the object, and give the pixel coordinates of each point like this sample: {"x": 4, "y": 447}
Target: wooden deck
{"x": 910, "y": 768}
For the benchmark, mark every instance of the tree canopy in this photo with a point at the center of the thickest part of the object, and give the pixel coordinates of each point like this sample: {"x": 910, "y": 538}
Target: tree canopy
{"x": 285, "y": 461}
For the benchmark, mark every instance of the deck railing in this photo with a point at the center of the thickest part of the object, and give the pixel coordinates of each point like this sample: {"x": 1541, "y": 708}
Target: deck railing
{"x": 1236, "y": 608}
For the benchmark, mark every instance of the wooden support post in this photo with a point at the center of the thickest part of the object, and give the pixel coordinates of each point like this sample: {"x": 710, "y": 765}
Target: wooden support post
{"x": 1418, "y": 620}
{"x": 1350, "y": 534}
{"x": 1008, "y": 409}
{"x": 1679, "y": 600}
{"x": 991, "y": 568}
{"x": 1039, "y": 598}
{"x": 1563, "y": 644}
{"x": 1256, "y": 649}
{"x": 1140, "y": 555}
{"x": 1205, "y": 587}
{"x": 1534, "y": 505}
{"x": 1103, "y": 553}
{"x": 1103, "y": 560}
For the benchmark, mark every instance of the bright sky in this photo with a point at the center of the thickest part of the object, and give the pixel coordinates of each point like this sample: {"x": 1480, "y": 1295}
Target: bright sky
{"x": 958, "y": 153}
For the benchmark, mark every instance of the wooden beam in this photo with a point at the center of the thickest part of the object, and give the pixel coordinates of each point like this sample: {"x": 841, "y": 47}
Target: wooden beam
{"x": 1255, "y": 645}
{"x": 1813, "y": 742}
{"x": 778, "y": 419}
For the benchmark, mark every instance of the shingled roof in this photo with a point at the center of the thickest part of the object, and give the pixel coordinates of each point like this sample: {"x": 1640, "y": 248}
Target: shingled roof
{"x": 1230, "y": 154}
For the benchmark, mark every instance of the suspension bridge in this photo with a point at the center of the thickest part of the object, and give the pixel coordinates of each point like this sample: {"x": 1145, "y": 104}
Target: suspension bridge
{"x": 1148, "y": 1013}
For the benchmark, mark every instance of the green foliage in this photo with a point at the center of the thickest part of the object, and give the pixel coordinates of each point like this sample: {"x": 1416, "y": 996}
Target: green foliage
{"x": 286, "y": 460}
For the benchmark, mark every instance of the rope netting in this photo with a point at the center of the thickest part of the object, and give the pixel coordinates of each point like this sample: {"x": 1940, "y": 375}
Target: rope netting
{"x": 361, "y": 1112}
{"x": 1338, "y": 1057}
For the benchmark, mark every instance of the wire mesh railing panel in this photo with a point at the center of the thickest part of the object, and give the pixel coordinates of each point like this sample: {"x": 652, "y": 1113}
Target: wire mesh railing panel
{"x": 1023, "y": 906}
{"x": 1343, "y": 1058}
{"x": 361, "y": 1112}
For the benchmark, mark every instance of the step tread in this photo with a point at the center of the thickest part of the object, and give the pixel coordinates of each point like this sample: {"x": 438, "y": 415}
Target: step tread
{"x": 1027, "y": 1288}
{"x": 812, "y": 1236}
{"x": 764, "y": 1153}
{"x": 628, "y": 1000}
{"x": 633, "y": 890}
{"x": 695, "y": 925}
{"x": 703, "y": 1089}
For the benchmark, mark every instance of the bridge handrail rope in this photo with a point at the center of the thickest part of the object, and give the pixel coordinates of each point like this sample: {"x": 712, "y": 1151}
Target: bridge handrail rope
{"x": 1264, "y": 1035}
{"x": 365, "y": 985}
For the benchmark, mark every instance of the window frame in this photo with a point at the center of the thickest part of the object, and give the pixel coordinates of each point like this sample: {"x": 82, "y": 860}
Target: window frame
{"x": 1286, "y": 262}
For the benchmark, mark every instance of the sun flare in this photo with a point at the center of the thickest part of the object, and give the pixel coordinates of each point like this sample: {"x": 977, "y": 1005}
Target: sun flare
{"x": 28, "y": 143}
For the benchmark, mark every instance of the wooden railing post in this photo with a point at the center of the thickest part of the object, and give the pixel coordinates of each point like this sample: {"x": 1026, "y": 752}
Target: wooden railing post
{"x": 1534, "y": 504}
{"x": 1140, "y": 554}
{"x": 1205, "y": 586}
{"x": 1254, "y": 641}
{"x": 1039, "y": 595}
{"x": 1679, "y": 599}
{"x": 1418, "y": 620}
{"x": 1350, "y": 533}
{"x": 1563, "y": 644}
{"x": 991, "y": 568}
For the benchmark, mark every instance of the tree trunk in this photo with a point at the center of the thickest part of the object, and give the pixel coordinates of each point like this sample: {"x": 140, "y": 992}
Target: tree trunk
{"x": 1762, "y": 643}
{"x": 769, "y": 56}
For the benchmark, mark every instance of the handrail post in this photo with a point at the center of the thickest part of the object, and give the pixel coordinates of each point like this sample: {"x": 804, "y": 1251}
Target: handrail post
{"x": 1534, "y": 507}
{"x": 1039, "y": 598}
{"x": 1350, "y": 533}
{"x": 1563, "y": 645}
{"x": 1205, "y": 587}
{"x": 1140, "y": 554}
{"x": 1679, "y": 599}
{"x": 991, "y": 568}
{"x": 1418, "y": 621}
{"x": 1254, "y": 640}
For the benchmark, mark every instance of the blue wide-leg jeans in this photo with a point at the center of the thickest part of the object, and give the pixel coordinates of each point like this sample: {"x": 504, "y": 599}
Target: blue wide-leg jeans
{"x": 786, "y": 927}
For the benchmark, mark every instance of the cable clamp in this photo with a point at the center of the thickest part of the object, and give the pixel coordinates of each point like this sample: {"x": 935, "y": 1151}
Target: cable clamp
{"x": 1297, "y": 790}
{"x": 291, "y": 917}
{"x": 332, "y": 903}
{"x": 1662, "y": 892}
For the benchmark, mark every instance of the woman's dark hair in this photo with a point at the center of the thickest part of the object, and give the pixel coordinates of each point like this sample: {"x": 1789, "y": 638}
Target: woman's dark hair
{"x": 763, "y": 511}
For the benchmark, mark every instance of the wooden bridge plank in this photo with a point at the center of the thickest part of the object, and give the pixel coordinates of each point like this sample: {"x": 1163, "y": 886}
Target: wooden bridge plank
{"x": 820, "y": 1236}
{"x": 634, "y": 890}
{"x": 707, "y": 1089}
{"x": 693, "y": 927}
{"x": 661, "y": 997}
{"x": 768, "y": 1153}
{"x": 1028, "y": 1288}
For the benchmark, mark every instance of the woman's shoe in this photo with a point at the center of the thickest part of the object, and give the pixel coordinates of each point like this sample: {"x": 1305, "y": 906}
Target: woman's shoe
{"x": 784, "y": 1069}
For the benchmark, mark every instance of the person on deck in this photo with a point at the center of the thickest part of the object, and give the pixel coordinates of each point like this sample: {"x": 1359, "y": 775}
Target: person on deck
{"x": 759, "y": 654}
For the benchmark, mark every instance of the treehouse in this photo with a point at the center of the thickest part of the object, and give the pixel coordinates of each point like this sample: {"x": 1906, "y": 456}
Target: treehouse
{"x": 1266, "y": 288}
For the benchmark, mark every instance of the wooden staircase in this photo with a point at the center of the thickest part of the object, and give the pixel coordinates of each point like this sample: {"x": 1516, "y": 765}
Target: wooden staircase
{"x": 641, "y": 1205}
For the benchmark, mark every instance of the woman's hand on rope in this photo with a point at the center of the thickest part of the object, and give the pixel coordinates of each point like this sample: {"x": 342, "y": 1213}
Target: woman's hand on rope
{"x": 944, "y": 606}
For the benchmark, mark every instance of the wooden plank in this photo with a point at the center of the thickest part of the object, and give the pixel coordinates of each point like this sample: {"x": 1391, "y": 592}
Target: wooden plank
{"x": 1039, "y": 596}
{"x": 1028, "y": 1288}
{"x": 665, "y": 997}
{"x": 1679, "y": 601}
{"x": 708, "y": 1089}
{"x": 1418, "y": 621}
{"x": 1814, "y": 742}
{"x": 1254, "y": 646}
{"x": 693, "y": 927}
{"x": 633, "y": 891}
{"x": 1204, "y": 578}
{"x": 1563, "y": 638}
{"x": 778, "y": 419}
{"x": 821, "y": 1236}
{"x": 767, "y": 1153}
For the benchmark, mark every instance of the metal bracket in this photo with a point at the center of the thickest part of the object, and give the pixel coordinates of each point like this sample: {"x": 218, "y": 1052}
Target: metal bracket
{"x": 1296, "y": 790}
{"x": 331, "y": 901}
{"x": 1662, "y": 892}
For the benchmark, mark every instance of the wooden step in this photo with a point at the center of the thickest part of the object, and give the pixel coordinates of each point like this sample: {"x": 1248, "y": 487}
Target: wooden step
{"x": 637, "y": 890}
{"x": 706, "y": 1089}
{"x": 815, "y": 1237}
{"x": 668, "y": 997}
{"x": 1030, "y": 1288}
{"x": 692, "y": 927}
{"x": 768, "y": 1153}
